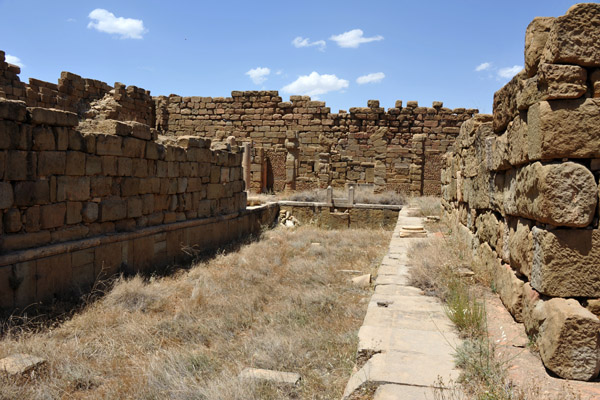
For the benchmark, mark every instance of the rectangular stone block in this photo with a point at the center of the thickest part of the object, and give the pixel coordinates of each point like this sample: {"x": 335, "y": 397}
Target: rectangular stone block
{"x": 564, "y": 129}
{"x": 53, "y": 276}
{"x": 73, "y": 188}
{"x": 108, "y": 145}
{"x": 53, "y": 215}
{"x": 75, "y": 163}
{"x": 51, "y": 163}
{"x": 558, "y": 194}
{"x": 112, "y": 209}
{"x": 562, "y": 81}
{"x": 27, "y": 193}
{"x": 565, "y": 262}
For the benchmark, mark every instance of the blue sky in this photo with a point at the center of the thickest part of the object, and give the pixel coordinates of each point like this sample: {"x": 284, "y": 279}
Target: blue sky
{"x": 403, "y": 50}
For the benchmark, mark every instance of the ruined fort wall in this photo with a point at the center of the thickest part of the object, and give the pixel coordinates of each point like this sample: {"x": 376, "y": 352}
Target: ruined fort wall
{"x": 522, "y": 185}
{"x": 308, "y": 146}
{"x": 61, "y": 184}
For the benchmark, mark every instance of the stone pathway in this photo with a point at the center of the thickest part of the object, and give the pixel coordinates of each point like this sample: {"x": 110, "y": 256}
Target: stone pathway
{"x": 406, "y": 341}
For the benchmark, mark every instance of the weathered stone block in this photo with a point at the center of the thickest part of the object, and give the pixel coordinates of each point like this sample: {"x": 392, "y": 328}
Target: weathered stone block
{"x": 30, "y": 193}
{"x": 505, "y": 102}
{"x": 569, "y": 341}
{"x": 520, "y": 245}
{"x": 89, "y": 212}
{"x": 53, "y": 215}
{"x": 73, "y": 188}
{"x": 574, "y": 37}
{"x": 43, "y": 139}
{"x": 565, "y": 262}
{"x": 73, "y": 212}
{"x": 558, "y": 194}
{"x": 12, "y": 220}
{"x": 564, "y": 129}
{"x": 75, "y": 164}
{"x": 51, "y": 163}
{"x": 6, "y": 195}
{"x": 53, "y": 117}
{"x": 113, "y": 209}
{"x": 108, "y": 145}
{"x": 536, "y": 36}
{"x": 510, "y": 289}
{"x": 562, "y": 81}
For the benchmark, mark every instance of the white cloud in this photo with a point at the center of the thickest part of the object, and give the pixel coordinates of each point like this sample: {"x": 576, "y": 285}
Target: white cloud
{"x": 315, "y": 84}
{"x": 14, "y": 60}
{"x": 353, "y": 38}
{"x": 483, "y": 66}
{"x": 305, "y": 42}
{"x": 370, "y": 78}
{"x": 258, "y": 74}
{"x": 509, "y": 72}
{"x": 71, "y": 20}
{"x": 105, "y": 21}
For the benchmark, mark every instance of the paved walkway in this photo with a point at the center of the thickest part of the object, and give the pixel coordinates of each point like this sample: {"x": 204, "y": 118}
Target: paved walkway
{"x": 406, "y": 338}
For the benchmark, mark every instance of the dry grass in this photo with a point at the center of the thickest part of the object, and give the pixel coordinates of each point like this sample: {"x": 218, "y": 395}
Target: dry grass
{"x": 427, "y": 205}
{"x": 280, "y": 303}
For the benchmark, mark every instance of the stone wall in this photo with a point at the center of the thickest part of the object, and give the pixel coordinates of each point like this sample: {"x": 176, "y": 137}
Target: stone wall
{"x": 523, "y": 187}
{"x": 299, "y": 144}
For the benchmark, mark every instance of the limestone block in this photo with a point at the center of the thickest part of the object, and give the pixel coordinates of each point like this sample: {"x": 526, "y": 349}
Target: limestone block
{"x": 75, "y": 163}
{"x": 505, "y": 102}
{"x": 13, "y": 110}
{"x": 108, "y": 145}
{"x": 16, "y": 364}
{"x": 562, "y": 81}
{"x": 73, "y": 188}
{"x": 569, "y": 341}
{"x": 516, "y": 136}
{"x": 477, "y": 127}
{"x": 564, "y": 129}
{"x": 529, "y": 93}
{"x": 29, "y": 193}
{"x": 574, "y": 38}
{"x": 520, "y": 245}
{"x": 89, "y": 212}
{"x": 565, "y": 262}
{"x": 112, "y": 209}
{"x": 6, "y": 195}
{"x": 536, "y": 36}
{"x": 510, "y": 290}
{"x": 73, "y": 212}
{"x": 497, "y": 152}
{"x": 53, "y": 215}
{"x": 51, "y": 163}
{"x": 43, "y": 139}
{"x": 53, "y": 117}
{"x": 487, "y": 228}
{"x": 593, "y": 305}
{"x": 12, "y": 220}
{"x": 557, "y": 194}
{"x": 533, "y": 310}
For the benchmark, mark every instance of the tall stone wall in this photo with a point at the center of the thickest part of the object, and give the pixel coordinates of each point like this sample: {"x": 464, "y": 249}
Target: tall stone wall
{"x": 523, "y": 187}
{"x": 300, "y": 144}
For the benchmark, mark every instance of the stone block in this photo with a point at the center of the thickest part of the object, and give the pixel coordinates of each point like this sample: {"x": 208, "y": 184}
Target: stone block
{"x": 53, "y": 215}
{"x": 134, "y": 207}
{"x": 569, "y": 341}
{"x": 73, "y": 212}
{"x": 134, "y": 148}
{"x": 89, "y": 212}
{"x": 53, "y": 276}
{"x": 574, "y": 38}
{"x": 558, "y": 194}
{"x": 562, "y": 81}
{"x": 18, "y": 364}
{"x": 43, "y": 139}
{"x": 565, "y": 262}
{"x": 13, "y": 110}
{"x": 51, "y": 163}
{"x": 12, "y": 220}
{"x": 73, "y": 188}
{"x": 516, "y": 136}
{"x": 520, "y": 246}
{"x": 536, "y": 36}
{"x": 75, "y": 163}
{"x": 72, "y": 232}
{"x": 505, "y": 102}
{"x": 32, "y": 219}
{"x": 21, "y": 164}
{"x": 6, "y": 195}
{"x": 108, "y": 259}
{"x": 112, "y": 209}
{"x": 564, "y": 129}
{"x": 100, "y": 186}
{"x": 108, "y": 145}
{"x": 510, "y": 290}
{"x": 52, "y": 117}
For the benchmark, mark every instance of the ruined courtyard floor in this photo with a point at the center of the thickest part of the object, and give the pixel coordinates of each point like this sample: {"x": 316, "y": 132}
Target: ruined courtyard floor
{"x": 284, "y": 302}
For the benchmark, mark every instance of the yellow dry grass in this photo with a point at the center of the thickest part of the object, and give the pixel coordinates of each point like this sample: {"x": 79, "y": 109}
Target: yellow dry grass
{"x": 279, "y": 303}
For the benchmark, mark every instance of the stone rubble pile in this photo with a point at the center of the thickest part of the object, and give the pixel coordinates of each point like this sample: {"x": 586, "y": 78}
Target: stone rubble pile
{"x": 523, "y": 186}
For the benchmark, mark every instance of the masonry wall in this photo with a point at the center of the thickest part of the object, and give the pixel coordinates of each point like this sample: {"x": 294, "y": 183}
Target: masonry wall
{"x": 299, "y": 144}
{"x": 522, "y": 185}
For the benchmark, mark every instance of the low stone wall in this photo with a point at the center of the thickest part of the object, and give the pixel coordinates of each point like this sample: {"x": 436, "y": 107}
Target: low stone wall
{"x": 365, "y": 216}
{"x": 39, "y": 274}
{"x": 522, "y": 185}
